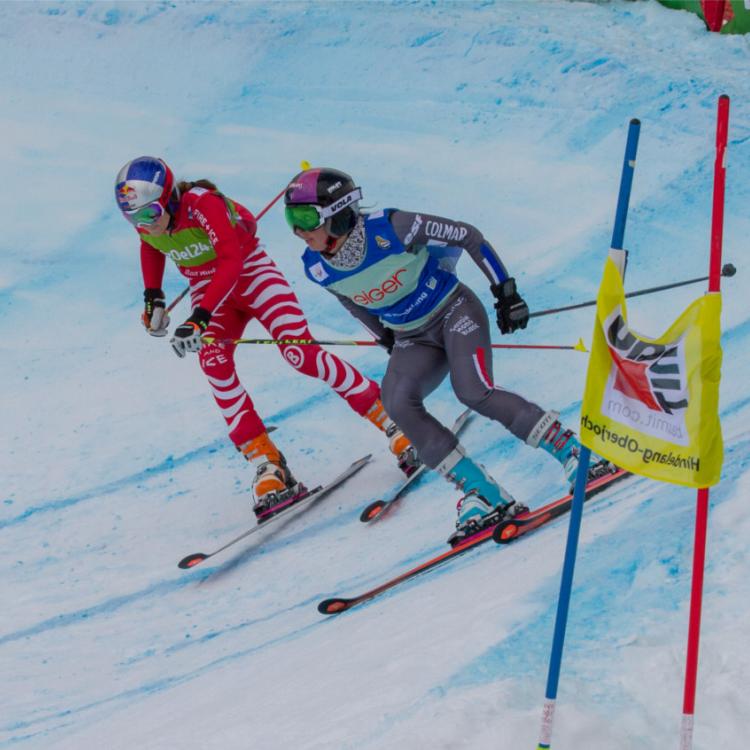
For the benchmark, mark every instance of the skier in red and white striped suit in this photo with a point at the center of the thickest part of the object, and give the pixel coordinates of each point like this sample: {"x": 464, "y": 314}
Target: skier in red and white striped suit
{"x": 232, "y": 281}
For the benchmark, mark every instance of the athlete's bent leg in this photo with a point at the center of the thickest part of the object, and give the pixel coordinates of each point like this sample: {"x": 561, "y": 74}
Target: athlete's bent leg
{"x": 466, "y": 337}
{"x": 276, "y": 307}
{"x": 414, "y": 371}
{"x": 273, "y": 481}
{"x": 217, "y": 362}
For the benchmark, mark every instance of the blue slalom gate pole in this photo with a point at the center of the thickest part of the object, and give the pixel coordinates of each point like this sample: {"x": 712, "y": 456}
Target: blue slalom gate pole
{"x": 576, "y": 511}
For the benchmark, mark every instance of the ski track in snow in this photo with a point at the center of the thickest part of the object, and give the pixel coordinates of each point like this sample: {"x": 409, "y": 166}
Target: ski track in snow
{"x": 169, "y": 464}
{"x": 512, "y": 116}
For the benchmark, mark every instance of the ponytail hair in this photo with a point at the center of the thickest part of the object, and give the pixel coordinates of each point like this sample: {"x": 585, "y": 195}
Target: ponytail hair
{"x": 184, "y": 186}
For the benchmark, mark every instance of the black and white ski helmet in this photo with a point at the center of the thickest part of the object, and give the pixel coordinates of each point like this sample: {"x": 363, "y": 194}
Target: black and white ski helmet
{"x": 327, "y": 188}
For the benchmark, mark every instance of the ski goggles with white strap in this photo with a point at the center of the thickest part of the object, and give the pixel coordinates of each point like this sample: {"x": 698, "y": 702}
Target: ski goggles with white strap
{"x": 308, "y": 216}
{"x": 145, "y": 216}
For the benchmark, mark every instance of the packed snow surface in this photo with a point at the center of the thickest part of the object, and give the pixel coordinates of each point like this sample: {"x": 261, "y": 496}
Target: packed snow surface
{"x": 115, "y": 463}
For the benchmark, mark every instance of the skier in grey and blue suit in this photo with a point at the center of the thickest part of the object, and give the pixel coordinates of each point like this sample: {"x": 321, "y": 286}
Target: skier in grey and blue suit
{"x": 395, "y": 271}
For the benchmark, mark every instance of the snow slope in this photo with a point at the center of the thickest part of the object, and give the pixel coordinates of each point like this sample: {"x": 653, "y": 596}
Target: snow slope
{"x": 511, "y": 115}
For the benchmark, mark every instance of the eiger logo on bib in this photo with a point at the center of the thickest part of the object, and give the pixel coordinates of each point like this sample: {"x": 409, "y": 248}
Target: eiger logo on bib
{"x": 378, "y": 293}
{"x": 382, "y": 242}
{"x": 318, "y": 272}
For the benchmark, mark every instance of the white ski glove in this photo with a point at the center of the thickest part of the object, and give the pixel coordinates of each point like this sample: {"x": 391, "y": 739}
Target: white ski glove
{"x": 187, "y": 337}
{"x": 154, "y": 317}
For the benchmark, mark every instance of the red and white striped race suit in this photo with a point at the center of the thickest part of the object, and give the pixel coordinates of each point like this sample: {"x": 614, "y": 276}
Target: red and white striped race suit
{"x": 241, "y": 283}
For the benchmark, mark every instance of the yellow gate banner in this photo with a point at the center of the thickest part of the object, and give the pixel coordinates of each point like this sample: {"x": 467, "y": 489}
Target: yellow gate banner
{"x": 651, "y": 406}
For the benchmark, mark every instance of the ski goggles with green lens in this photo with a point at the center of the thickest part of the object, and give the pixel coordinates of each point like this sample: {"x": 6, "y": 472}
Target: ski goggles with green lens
{"x": 145, "y": 216}
{"x": 308, "y": 216}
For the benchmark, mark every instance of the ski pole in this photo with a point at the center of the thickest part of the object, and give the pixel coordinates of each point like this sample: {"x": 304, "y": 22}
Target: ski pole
{"x": 578, "y": 347}
{"x": 265, "y": 210}
{"x": 727, "y": 270}
{"x": 177, "y": 299}
{"x": 260, "y": 215}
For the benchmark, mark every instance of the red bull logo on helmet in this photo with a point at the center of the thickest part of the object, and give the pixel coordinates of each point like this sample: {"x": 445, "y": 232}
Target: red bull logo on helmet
{"x": 127, "y": 197}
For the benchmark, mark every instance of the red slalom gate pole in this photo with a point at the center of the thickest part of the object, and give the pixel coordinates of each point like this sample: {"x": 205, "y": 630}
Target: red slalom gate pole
{"x": 701, "y": 517}
{"x": 720, "y": 174}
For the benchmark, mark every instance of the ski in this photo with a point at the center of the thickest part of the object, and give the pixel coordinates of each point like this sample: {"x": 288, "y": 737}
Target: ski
{"x": 507, "y": 531}
{"x": 528, "y": 521}
{"x": 306, "y": 500}
{"x": 379, "y": 508}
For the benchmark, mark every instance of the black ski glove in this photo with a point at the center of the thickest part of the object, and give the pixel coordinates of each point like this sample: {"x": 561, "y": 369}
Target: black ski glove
{"x": 154, "y": 317}
{"x": 387, "y": 340}
{"x": 512, "y": 311}
{"x": 187, "y": 337}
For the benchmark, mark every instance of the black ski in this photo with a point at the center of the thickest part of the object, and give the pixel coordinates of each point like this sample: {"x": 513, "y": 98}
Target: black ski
{"x": 506, "y": 531}
{"x": 532, "y": 520}
{"x": 307, "y": 500}
{"x": 379, "y": 508}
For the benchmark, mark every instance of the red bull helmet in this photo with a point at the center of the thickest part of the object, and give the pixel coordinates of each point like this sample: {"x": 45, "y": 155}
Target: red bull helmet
{"x": 144, "y": 188}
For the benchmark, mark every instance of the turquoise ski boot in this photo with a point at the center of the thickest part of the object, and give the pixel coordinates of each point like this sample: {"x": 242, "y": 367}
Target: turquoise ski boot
{"x": 562, "y": 444}
{"x": 484, "y": 503}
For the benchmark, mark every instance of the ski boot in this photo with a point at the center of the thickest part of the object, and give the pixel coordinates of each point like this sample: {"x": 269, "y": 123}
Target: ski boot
{"x": 562, "y": 444}
{"x": 273, "y": 484}
{"x": 485, "y": 503}
{"x": 399, "y": 444}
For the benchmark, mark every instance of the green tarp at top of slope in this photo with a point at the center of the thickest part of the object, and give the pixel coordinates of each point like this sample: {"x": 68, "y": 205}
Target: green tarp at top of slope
{"x": 736, "y": 15}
